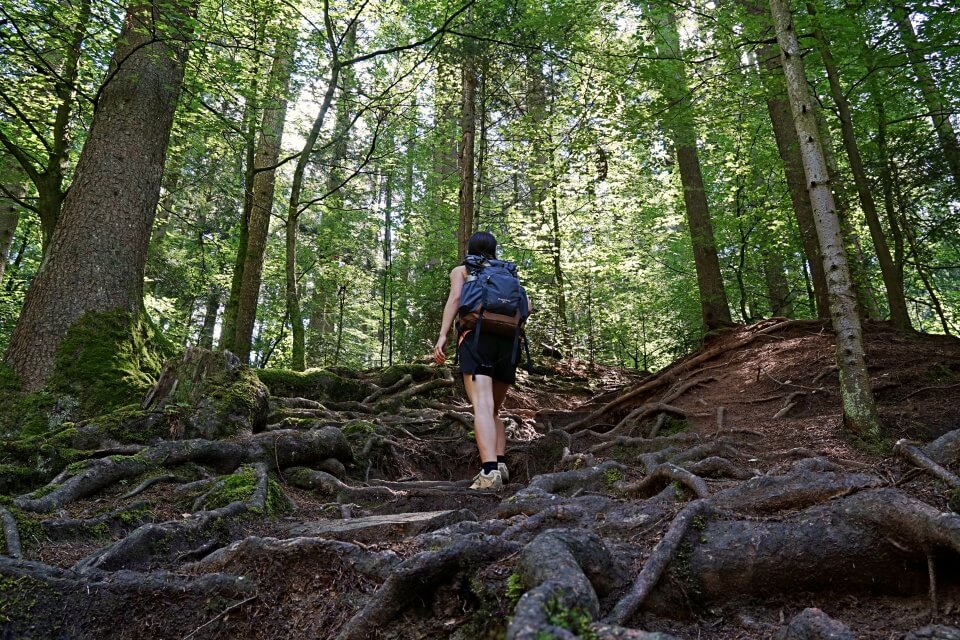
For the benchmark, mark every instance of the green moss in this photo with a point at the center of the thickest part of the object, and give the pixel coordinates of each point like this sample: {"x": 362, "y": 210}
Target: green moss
{"x": 316, "y": 384}
{"x": 18, "y": 597}
{"x": 673, "y": 426}
{"x": 15, "y": 478}
{"x": 611, "y": 477}
{"x": 364, "y": 427}
{"x": 109, "y": 359}
{"x": 392, "y": 375}
{"x": 131, "y": 425}
{"x": 574, "y": 620}
{"x": 515, "y": 589}
{"x": 240, "y": 487}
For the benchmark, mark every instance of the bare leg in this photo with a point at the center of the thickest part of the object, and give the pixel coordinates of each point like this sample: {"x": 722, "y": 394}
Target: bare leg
{"x": 480, "y": 392}
{"x": 499, "y": 393}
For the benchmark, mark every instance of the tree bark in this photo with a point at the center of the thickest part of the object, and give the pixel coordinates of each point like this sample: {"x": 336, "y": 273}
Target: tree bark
{"x": 97, "y": 255}
{"x": 714, "y": 309}
{"x": 859, "y": 409}
{"x": 264, "y": 180}
{"x": 788, "y": 145}
{"x": 468, "y": 129}
{"x": 892, "y": 278}
{"x": 9, "y": 208}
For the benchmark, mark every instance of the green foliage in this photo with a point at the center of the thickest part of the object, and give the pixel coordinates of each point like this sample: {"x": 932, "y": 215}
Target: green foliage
{"x": 515, "y": 589}
{"x": 574, "y": 620}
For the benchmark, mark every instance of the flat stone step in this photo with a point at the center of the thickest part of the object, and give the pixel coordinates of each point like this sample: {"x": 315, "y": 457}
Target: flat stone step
{"x": 378, "y": 528}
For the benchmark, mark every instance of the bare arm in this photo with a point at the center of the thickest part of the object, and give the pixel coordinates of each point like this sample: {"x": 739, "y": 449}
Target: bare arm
{"x": 457, "y": 277}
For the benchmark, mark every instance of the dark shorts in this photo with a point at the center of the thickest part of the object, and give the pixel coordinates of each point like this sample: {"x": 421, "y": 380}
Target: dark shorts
{"x": 492, "y": 356}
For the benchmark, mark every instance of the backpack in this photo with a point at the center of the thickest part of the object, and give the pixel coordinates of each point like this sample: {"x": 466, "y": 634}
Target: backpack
{"x": 492, "y": 298}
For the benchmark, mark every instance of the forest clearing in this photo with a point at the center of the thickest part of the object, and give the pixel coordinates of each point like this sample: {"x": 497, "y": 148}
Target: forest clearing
{"x": 231, "y": 232}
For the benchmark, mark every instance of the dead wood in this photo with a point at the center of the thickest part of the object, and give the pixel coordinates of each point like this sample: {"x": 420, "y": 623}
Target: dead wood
{"x": 908, "y": 452}
{"x": 562, "y": 571}
{"x": 244, "y": 556}
{"x": 417, "y": 577}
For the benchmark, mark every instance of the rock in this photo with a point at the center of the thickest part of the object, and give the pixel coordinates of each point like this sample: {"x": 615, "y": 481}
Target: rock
{"x": 934, "y": 632}
{"x": 814, "y": 624}
{"x": 376, "y": 528}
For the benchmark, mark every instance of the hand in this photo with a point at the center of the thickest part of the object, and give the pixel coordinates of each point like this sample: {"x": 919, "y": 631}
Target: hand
{"x": 439, "y": 350}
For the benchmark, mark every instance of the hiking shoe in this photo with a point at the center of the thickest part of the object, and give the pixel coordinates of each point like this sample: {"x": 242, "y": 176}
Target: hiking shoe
{"x": 492, "y": 480}
{"x": 504, "y": 473}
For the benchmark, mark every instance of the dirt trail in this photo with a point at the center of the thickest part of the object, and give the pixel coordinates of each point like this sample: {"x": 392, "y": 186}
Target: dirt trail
{"x": 718, "y": 498}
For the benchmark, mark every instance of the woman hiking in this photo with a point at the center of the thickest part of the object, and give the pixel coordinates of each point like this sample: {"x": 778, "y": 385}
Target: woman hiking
{"x": 487, "y": 352}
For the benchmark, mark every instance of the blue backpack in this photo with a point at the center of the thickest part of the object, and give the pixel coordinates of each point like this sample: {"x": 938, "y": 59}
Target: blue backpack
{"x": 492, "y": 300}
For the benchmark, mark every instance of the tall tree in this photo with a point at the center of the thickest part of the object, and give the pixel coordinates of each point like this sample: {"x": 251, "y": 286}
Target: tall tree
{"x": 859, "y": 408}
{"x": 96, "y": 257}
{"x": 264, "y": 181}
{"x": 937, "y": 107}
{"x": 468, "y": 130}
{"x": 714, "y": 308}
{"x": 892, "y": 276}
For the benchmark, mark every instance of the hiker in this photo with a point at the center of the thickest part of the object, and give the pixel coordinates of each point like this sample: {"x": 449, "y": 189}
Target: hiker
{"x": 489, "y": 335}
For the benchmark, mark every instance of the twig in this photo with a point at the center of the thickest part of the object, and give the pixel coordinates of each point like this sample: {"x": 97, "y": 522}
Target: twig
{"x": 220, "y": 615}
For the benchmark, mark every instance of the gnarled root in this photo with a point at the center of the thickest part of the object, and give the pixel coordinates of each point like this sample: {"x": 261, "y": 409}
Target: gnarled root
{"x": 423, "y": 571}
{"x": 561, "y": 569}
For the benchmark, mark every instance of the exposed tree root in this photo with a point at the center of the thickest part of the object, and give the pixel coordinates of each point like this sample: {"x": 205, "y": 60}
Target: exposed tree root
{"x": 666, "y": 473}
{"x": 563, "y": 571}
{"x": 421, "y": 572}
{"x": 11, "y": 534}
{"x": 671, "y": 373}
{"x": 655, "y": 565}
{"x": 945, "y": 449}
{"x": 196, "y": 531}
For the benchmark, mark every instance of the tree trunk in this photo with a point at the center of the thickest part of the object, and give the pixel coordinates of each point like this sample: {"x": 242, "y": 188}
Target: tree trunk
{"x": 9, "y": 208}
{"x": 936, "y": 105}
{"x": 97, "y": 256}
{"x": 892, "y": 280}
{"x": 714, "y": 309}
{"x": 778, "y": 289}
{"x": 468, "y": 129}
{"x": 228, "y": 332}
{"x": 788, "y": 146}
{"x": 264, "y": 180}
{"x": 209, "y": 319}
{"x": 294, "y": 210}
{"x": 859, "y": 409}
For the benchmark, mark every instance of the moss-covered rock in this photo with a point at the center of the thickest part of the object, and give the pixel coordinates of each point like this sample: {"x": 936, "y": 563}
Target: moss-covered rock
{"x": 393, "y": 374}
{"x": 316, "y": 384}
{"x": 209, "y": 394}
{"x": 108, "y": 359}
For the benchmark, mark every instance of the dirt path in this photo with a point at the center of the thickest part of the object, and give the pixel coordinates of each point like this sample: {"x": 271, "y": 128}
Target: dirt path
{"x": 717, "y": 499}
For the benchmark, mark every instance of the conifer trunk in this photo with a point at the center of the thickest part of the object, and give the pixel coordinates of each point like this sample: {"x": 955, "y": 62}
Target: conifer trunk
{"x": 98, "y": 252}
{"x": 859, "y": 409}
{"x": 468, "y": 129}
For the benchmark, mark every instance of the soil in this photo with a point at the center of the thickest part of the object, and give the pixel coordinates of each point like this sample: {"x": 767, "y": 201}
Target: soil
{"x": 785, "y": 512}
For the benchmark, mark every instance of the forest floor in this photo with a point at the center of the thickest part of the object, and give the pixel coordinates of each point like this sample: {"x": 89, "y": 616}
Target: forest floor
{"x": 719, "y": 498}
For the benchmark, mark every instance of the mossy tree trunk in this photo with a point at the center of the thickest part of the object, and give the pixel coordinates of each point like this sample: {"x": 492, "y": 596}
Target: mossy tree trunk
{"x": 859, "y": 409}
{"x": 97, "y": 255}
